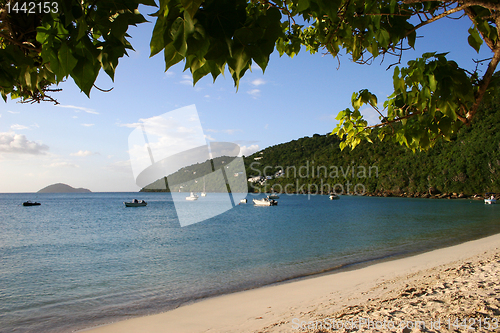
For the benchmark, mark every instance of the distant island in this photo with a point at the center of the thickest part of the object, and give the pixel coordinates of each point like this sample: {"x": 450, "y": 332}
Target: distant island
{"x": 63, "y": 188}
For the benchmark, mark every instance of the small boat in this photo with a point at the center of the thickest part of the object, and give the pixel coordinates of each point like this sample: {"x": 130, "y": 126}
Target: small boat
{"x": 204, "y": 193}
{"x": 491, "y": 200}
{"x": 333, "y": 196}
{"x": 265, "y": 202}
{"x": 136, "y": 203}
{"x": 273, "y": 196}
{"x": 192, "y": 197}
{"x": 243, "y": 201}
{"x": 29, "y": 203}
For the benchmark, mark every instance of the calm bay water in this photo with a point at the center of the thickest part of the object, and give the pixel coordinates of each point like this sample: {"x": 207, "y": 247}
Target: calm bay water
{"x": 80, "y": 260}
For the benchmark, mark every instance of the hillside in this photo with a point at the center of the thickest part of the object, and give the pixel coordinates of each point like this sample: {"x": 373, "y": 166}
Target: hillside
{"x": 63, "y": 188}
{"x": 469, "y": 164}
{"x": 197, "y": 177}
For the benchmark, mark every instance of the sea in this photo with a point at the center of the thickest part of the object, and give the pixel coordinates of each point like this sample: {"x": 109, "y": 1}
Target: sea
{"x": 82, "y": 260}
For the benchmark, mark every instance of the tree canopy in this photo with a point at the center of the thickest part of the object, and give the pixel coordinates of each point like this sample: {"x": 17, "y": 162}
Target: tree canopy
{"x": 433, "y": 96}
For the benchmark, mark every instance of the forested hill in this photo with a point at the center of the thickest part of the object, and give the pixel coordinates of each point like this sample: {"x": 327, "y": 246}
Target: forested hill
{"x": 469, "y": 164}
{"x": 199, "y": 177}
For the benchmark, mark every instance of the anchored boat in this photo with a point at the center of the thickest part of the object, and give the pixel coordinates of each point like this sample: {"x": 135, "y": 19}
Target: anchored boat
{"x": 265, "y": 202}
{"x": 136, "y": 203}
{"x": 192, "y": 197}
{"x": 29, "y": 203}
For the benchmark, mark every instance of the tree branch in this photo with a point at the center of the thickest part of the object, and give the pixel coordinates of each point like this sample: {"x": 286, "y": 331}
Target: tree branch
{"x": 486, "y": 4}
{"x": 25, "y": 45}
{"x": 389, "y": 122}
{"x": 437, "y": 17}
{"x": 485, "y": 81}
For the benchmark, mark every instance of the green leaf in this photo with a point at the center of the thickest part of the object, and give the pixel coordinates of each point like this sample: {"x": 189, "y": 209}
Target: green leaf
{"x": 201, "y": 72}
{"x": 119, "y": 26}
{"x": 238, "y": 64}
{"x": 66, "y": 60}
{"x": 82, "y": 29}
{"x": 373, "y": 100}
{"x": 411, "y": 39}
{"x": 172, "y": 57}
{"x": 85, "y": 75}
{"x": 445, "y": 126}
{"x": 53, "y": 64}
{"x": 178, "y": 36}
{"x": 191, "y": 6}
{"x": 474, "y": 39}
{"x": 341, "y": 114}
{"x": 157, "y": 40}
{"x": 432, "y": 82}
{"x": 302, "y": 5}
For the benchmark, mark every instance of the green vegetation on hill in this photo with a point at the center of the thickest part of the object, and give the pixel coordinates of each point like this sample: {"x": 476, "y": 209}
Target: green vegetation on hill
{"x": 208, "y": 174}
{"x": 469, "y": 163}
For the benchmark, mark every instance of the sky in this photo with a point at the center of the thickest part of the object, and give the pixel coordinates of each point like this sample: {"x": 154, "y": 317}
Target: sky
{"x": 84, "y": 142}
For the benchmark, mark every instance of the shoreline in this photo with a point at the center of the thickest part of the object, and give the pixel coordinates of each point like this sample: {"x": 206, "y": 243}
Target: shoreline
{"x": 276, "y": 307}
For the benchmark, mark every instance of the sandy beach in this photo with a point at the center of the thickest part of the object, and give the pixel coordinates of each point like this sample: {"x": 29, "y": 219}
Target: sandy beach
{"x": 454, "y": 289}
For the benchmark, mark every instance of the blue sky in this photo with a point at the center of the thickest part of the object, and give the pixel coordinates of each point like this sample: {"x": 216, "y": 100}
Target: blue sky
{"x": 84, "y": 142}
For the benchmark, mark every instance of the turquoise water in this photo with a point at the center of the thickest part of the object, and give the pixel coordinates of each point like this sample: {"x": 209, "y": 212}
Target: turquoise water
{"x": 80, "y": 260}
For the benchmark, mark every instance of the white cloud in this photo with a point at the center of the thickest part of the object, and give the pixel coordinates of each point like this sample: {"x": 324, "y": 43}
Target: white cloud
{"x": 246, "y": 151}
{"x": 266, "y": 127}
{"x": 258, "y": 82}
{"x": 78, "y": 108}
{"x": 169, "y": 74}
{"x": 19, "y": 144}
{"x": 14, "y": 112}
{"x": 209, "y": 138}
{"x": 187, "y": 80}
{"x": 207, "y": 96}
{"x": 88, "y": 125}
{"x": 82, "y": 153}
{"x": 62, "y": 165}
{"x": 254, "y": 93}
{"x": 18, "y": 127}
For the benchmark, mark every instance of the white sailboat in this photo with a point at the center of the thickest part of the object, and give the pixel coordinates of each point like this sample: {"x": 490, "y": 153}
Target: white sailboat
{"x": 203, "y": 194}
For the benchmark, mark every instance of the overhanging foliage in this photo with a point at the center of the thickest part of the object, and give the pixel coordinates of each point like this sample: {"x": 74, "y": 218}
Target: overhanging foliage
{"x": 432, "y": 98}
